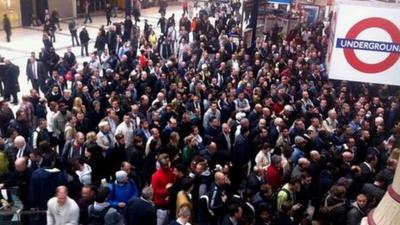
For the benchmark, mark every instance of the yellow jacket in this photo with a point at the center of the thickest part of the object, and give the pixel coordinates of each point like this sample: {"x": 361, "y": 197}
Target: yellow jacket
{"x": 182, "y": 199}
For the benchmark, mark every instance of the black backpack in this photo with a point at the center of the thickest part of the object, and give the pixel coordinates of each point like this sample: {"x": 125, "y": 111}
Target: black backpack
{"x": 97, "y": 217}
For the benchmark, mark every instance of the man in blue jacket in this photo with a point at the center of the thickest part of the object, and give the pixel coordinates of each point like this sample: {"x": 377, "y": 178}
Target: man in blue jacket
{"x": 122, "y": 190}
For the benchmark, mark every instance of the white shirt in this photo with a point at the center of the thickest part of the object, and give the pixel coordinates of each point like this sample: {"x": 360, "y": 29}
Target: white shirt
{"x": 127, "y": 131}
{"x": 20, "y": 152}
{"x": 34, "y": 69}
{"x": 67, "y": 214}
{"x": 85, "y": 175}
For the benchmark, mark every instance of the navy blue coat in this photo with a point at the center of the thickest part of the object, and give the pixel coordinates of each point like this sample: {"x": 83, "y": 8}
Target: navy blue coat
{"x": 241, "y": 151}
{"x": 43, "y": 186}
{"x": 139, "y": 212}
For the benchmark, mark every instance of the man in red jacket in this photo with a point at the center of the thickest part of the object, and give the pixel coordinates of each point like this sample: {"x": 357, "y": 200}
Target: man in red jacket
{"x": 161, "y": 181}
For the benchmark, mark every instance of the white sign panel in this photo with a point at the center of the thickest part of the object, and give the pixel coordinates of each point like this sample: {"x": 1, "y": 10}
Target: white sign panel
{"x": 365, "y": 46}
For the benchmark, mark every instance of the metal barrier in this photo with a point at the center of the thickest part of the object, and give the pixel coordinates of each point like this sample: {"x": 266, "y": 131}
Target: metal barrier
{"x": 13, "y": 216}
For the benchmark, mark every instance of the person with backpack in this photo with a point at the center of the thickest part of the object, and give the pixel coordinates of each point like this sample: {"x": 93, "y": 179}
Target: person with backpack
{"x": 288, "y": 194}
{"x": 101, "y": 212}
{"x": 334, "y": 206}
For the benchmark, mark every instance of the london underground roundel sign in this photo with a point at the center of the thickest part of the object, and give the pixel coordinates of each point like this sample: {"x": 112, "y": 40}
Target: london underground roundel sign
{"x": 350, "y": 43}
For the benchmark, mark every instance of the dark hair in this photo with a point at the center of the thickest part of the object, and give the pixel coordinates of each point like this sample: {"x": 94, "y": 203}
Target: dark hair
{"x": 181, "y": 168}
{"x": 294, "y": 181}
{"x": 119, "y": 136}
{"x": 264, "y": 145}
{"x": 286, "y": 207}
{"x": 233, "y": 208}
{"x": 102, "y": 194}
{"x": 380, "y": 177}
{"x": 186, "y": 183}
{"x": 305, "y": 175}
{"x": 370, "y": 157}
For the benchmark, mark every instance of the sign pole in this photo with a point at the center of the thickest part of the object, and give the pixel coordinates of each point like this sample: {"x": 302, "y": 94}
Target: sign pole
{"x": 254, "y": 15}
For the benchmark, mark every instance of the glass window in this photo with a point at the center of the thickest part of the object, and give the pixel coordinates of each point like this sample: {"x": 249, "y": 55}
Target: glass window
{"x": 12, "y": 9}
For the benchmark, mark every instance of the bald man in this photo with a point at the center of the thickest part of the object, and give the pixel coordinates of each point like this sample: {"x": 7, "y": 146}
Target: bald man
{"x": 21, "y": 179}
{"x": 20, "y": 150}
{"x": 302, "y": 166}
{"x": 217, "y": 195}
{"x": 61, "y": 209}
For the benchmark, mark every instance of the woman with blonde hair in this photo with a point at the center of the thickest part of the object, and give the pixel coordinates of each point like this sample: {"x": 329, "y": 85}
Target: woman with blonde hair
{"x": 78, "y": 105}
{"x": 153, "y": 39}
{"x": 173, "y": 147}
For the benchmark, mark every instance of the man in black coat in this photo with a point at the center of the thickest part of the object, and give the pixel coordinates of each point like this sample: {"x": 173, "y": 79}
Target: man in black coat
{"x": 10, "y": 79}
{"x": 111, "y": 39}
{"x": 69, "y": 58}
{"x": 255, "y": 180}
{"x": 100, "y": 44}
{"x": 127, "y": 28}
{"x": 376, "y": 190}
{"x": 74, "y": 32}
{"x": 358, "y": 210}
{"x": 3, "y": 67}
{"x": 84, "y": 37}
{"x": 234, "y": 216}
{"x": 140, "y": 211}
{"x": 7, "y": 27}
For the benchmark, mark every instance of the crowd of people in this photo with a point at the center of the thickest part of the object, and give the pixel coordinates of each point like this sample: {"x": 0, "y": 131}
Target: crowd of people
{"x": 191, "y": 126}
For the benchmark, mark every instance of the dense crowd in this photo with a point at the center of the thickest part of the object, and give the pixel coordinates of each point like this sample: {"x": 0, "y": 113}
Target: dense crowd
{"x": 190, "y": 125}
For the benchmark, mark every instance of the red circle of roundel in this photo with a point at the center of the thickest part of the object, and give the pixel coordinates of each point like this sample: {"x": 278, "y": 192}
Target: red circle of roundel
{"x": 372, "y": 22}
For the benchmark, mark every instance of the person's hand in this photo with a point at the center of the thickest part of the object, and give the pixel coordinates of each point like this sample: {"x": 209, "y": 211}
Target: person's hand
{"x": 168, "y": 186}
{"x": 121, "y": 204}
{"x": 224, "y": 198}
{"x": 296, "y": 207}
{"x": 5, "y": 204}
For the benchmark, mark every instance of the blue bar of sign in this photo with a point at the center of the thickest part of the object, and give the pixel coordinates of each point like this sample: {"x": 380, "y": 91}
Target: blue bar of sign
{"x": 376, "y": 46}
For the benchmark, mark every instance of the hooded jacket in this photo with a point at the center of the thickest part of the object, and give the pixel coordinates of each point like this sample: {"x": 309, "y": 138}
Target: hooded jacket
{"x": 355, "y": 214}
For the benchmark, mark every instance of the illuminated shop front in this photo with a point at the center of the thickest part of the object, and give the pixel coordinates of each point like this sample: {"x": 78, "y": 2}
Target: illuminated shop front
{"x": 13, "y": 10}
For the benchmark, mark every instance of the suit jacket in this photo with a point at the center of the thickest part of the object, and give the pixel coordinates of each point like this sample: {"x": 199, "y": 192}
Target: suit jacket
{"x": 253, "y": 183}
{"x": 374, "y": 193}
{"x": 41, "y": 72}
{"x": 367, "y": 173}
{"x": 227, "y": 221}
{"x": 69, "y": 59}
{"x": 191, "y": 107}
{"x": 222, "y": 143}
{"x": 175, "y": 223}
{"x": 139, "y": 212}
{"x": 12, "y": 153}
